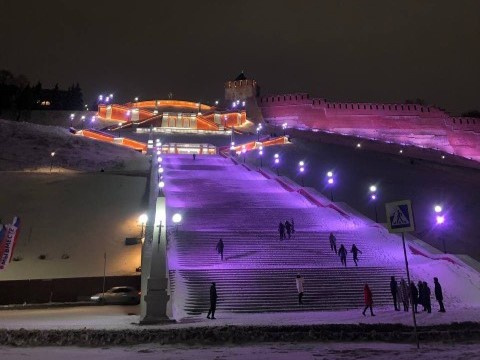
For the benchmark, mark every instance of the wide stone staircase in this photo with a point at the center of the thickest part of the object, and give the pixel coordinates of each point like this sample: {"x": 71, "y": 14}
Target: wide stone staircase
{"x": 218, "y": 199}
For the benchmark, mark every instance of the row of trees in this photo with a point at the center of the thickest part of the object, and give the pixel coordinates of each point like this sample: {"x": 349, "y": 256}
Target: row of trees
{"x": 16, "y": 93}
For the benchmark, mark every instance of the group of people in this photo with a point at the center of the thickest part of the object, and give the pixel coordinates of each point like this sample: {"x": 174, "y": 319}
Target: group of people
{"x": 342, "y": 251}
{"x": 414, "y": 295}
{"x": 286, "y": 229}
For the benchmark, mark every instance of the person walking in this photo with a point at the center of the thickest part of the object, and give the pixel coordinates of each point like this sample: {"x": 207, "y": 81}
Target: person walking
{"x": 399, "y": 296}
{"x": 427, "y": 299}
{"x": 194, "y": 156}
{"x": 354, "y": 250}
{"x": 414, "y": 296}
{"x": 300, "y": 281}
{"x": 288, "y": 227}
{"x": 393, "y": 291}
{"x": 421, "y": 295}
{"x": 281, "y": 230}
{"x": 367, "y": 294}
{"x": 439, "y": 294}
{"x": 213, "y": 301}
{"x": 220, "y": 248}
{"x": 333, "y": 242}
{"x": 405, "y": 294}
{"x": 342, "y": 252}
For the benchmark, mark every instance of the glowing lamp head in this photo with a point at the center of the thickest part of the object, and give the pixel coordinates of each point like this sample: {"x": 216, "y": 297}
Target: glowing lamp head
{"x": 359, "y": 145}
{"x": 401, "y": 151}
{"x": 232, "y": 143}
{"x": 373, "y": 188}
{"x": 100, "y": 97}
{"x": 301, "y": 163}
{"x": 160, "y": 170}
{"x": 330, "y": 174}
{"x": 244, "y": 150}
{"x": 158, "y": 152}
{"x": 83, "y": 117}
{"x": 136, "y": 98}
{"x": 52, "y": 154}
{"x": 440, "y": 219}
{"x": 111, "y": 96}
{"x": 72, "y": 116}
{"x": 438, "y": 209}
{"x": 234, "y": 104}
{"x": 142, "y": 219}
{"x": 277, "y": 161}
{"x": 216, "y": 102}
{"x": 373, "y": 197}
{"x": 232, "y": 147}
{"x": 275, "y": 156}
{"x": 302, "y": 169}
{"x": 177, "y": 218}
{"x": 243, "y": 103}
{"x": 94, "y": 118}
{"x": 330, "y": 181}
{"x": 159, "y": 159}
{"x": 261, "y": 147}
{"x": 443, "y": 156}
{"x": 260, "y": 152}
{"x": 161, "y": 185}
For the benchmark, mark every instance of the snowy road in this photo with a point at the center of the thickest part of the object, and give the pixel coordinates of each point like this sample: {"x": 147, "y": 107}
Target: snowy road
{"x": 126, "y": 317}
{"x": 268, "y": 351}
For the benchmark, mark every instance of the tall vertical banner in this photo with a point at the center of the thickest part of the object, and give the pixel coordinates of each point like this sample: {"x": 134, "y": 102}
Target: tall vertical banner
{"x": 8, "y": 238}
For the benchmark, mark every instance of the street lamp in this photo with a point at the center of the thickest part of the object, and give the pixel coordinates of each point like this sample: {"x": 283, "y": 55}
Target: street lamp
{"x": 142, "y": 219}
{"x": 161, "y": 185}
{"x": 136, "y": 99}
{"x": 440, "y": 220}
{"x": 330, "y": 183}
{"x": 373, "y": 196}
{"x": 52, "y": 155}
{"x": 276, "y": 162}
{"x": 260, "y": 154}
{"x": 301, "y": 168}
{"x": 177, "y": 219}
{"x": 284, "y": 127}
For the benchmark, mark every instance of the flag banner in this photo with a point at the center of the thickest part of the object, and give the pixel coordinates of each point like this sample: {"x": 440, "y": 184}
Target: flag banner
{"x": 8, "y": 238}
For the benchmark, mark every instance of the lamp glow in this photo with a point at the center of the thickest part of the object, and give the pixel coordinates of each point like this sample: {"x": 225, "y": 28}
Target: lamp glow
{"x": 330, "y": 181}
{"x": 142, "y": 219}
{"x": 277, "y": 161}
{"x": 330, "y": 174}
{"x": 440, "y": 219}
{"x": 437, "y": 208}
{"x": 275, "y": 156}
{"x": 176, "y": 218}
{"x": 301, "y": 163}
{"x": 373, "y": 188}
{"x": 161, "y": 184}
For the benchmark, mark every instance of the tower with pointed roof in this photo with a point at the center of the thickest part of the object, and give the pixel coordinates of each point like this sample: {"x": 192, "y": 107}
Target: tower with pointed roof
{"x": 241, "y": 88}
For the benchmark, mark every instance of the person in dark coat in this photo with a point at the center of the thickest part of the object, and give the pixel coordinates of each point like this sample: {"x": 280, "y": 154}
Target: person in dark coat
{"x": 293, "y": 227}
{"x": 354, "y": 250}
{"x": 194, "y": 156}
{"x": 421, "y": 295}
{"x": 342, "y": 252}
{"x": 220, "y": 248}
{"x": 427, "y": 292}
{"x": 333, "y": 242}
{"x": 367, "y": 294}
{"x": 281, "y": 230}
{"x": 288, "y": 227}
{"x": 414, "y": 295}
{"x": 213, "y": 301}
{"x": 439, "y": 294}
{"x": 393, "y": 291}
{"x": 405, "y": 294}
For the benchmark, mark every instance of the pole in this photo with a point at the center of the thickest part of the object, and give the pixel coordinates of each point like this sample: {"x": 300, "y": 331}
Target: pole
{"x": 411, "y": 295}
{"x": 302, "y": 182}
{"x": 51, "y": 164}
{"x": 444, "y": 247}
{"x": 104, "y": 272}
{"x": 331, "y": 195}
{"x": 376, "y": 215}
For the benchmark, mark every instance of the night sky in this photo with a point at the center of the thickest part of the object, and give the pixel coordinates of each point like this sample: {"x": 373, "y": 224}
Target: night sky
{"x": 340, "y": 50}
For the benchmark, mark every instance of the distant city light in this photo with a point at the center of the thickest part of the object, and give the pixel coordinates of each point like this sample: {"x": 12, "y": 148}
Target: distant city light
{"x": 216, "y": 102}
{"x": 443, "y": 156}
{"x": 111, "y": 96}
{"x": 93, "y": 118}
{"x": 52, "y": 154}
{"x": 72, "y": 116}
{"x": 359, "y": 145}
{"x": 136, "y": 98}
{"x": 243, "y": 103}
{"x": 83, "y": 117}
{"x": 100, "y": 97}
{"x": 401, "y": 151}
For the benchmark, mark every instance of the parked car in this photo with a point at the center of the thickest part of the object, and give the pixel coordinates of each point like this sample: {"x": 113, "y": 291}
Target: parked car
{"x": 118, "y": 295}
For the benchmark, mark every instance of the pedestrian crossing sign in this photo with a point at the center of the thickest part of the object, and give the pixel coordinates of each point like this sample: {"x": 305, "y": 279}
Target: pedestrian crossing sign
{"x": 400, "y": 216}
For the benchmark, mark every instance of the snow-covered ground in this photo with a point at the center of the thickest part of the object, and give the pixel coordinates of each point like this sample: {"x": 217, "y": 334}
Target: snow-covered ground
{"x": 126, "y": 317}
{"x": 27, "y": 147}
{"x": 266, "y": 351}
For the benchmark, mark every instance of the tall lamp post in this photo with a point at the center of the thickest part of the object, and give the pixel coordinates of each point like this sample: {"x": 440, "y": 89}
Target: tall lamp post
{"x": 260, "y": 155}
{"x": 440, "y": 220}
{"x": 142, "y": 219}
{"x": 52, "y": 155}
{"x": 301, "y": 168}
{"x": 330, "y": 183}
{"x": 373, "y": 197}
{"x": 276, "y": 162}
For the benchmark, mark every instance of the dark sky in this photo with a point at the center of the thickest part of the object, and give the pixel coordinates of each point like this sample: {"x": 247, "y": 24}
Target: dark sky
{"x": 341, "y": 50}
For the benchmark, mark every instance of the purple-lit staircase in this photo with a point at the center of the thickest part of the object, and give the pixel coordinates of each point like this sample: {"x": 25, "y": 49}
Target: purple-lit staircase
{"x": 218, "y": 199}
